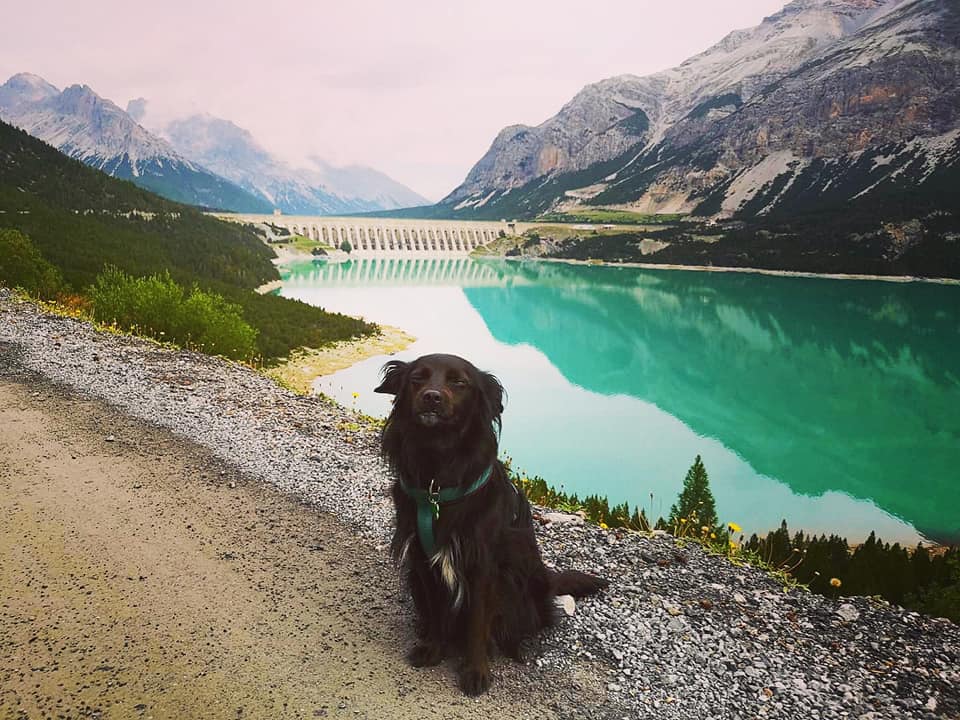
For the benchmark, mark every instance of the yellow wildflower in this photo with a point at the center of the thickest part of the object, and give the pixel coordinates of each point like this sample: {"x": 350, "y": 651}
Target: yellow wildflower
{"x": 356, "y": 395}
{"x": 603, "y": 525}
{"x": 835, "y": 582}
{"x": 734, "y": 527}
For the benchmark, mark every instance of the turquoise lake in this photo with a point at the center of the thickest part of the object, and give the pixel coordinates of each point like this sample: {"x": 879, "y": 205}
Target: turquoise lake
{"x": 832, "y": 403}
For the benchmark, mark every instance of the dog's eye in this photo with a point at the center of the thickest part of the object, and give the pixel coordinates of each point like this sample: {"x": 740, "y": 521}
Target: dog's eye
{"x": 458, "y": 383}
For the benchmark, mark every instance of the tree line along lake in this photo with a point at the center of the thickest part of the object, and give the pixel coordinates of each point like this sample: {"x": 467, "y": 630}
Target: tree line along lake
{"x": 830, "y": 403}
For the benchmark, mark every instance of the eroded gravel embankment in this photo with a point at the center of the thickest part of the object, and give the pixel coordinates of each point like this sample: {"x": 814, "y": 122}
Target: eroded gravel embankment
{"x": 678, "y": 635}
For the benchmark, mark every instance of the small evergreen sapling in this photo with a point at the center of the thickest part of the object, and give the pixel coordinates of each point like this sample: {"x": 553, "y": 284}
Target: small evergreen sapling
{"x": 695, "y": 507}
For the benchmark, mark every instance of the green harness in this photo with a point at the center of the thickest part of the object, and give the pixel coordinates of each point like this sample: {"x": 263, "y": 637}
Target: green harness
{"x": 429, "y": 502}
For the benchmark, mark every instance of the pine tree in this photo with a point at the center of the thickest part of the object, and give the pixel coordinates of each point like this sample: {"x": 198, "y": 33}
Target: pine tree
{"x": 696, "y": 502}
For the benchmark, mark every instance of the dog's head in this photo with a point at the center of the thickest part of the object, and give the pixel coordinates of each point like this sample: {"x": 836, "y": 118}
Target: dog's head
{"x": 442, "y": 392}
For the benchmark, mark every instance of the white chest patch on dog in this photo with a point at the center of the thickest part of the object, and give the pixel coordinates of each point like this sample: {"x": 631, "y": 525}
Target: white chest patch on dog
{"x": 447, "y": 559}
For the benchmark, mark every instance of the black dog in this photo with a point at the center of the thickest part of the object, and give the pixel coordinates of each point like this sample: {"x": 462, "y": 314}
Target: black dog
{"x": 464, "y": 534}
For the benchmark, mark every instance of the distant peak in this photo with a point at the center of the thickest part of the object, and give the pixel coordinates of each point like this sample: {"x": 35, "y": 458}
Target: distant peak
{"x": 845, "y": 7}
{"x": 137, "y": 108}
{"x": 77, "y": 89}
{"x": 29, "y": 87}
{"x": 26, "y": 79}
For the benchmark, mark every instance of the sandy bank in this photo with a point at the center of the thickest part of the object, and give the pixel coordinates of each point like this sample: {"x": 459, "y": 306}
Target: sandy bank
{"x": 306, "y": 365}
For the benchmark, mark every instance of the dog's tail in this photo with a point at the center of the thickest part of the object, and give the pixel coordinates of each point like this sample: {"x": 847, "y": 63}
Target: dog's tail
{"x": 576, "y": 583}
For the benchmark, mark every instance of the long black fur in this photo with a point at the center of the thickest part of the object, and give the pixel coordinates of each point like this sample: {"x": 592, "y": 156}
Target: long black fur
{"x": 503, "y": 593}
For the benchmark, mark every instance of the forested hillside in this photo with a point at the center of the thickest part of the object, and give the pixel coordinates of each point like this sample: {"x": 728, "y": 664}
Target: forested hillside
{"x": 82, "y": 220}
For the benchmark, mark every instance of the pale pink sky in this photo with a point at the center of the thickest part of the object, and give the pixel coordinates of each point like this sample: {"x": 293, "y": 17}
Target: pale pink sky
{"x": 415, "y": 89}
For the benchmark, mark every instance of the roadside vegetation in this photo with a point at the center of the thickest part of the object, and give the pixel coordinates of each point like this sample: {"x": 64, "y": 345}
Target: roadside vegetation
{"x": 157, "y": 307}
{"x": 21, "y": 264}
{"x": 67, "y": 229}
{"x": 923, "y": 579}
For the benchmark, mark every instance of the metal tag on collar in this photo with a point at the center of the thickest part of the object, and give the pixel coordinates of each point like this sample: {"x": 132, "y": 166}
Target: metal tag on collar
{"x": 433, "y": 497}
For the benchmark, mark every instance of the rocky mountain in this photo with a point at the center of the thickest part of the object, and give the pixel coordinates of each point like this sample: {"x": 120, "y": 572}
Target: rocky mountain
{"x": 92, "y": 129}
{"x": 825, "y": 102}
{"x": 320, "y": 189}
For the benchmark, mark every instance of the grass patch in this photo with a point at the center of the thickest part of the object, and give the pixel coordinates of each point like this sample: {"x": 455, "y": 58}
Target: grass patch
{"x": 605, "y": 215}
{"x": 302, "y": 244}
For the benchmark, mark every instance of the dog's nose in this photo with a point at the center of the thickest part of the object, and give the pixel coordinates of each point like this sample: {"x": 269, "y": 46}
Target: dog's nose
{"x": 432, "y": 398}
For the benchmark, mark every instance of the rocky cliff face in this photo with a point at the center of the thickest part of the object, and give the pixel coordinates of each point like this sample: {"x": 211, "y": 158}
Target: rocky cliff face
{"x": 837, "y": 93}
{"x": 601, "y": 122}
{"x": 869, "y": 111}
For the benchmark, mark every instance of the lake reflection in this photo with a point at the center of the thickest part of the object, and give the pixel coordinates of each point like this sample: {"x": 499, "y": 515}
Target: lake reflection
{"x": 831, "y": 403}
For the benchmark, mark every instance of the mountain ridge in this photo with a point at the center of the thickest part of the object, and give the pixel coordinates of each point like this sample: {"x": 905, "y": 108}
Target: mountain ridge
{"x": 92, "y": 129}
{"x": 198, "y": 159}
{"x": 234, "y": 153}
{"x": 691, "y": 144}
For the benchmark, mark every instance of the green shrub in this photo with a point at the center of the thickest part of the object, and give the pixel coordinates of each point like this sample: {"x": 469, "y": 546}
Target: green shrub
{"x": 22, "y": 265}
{"x": 158, "y": 307}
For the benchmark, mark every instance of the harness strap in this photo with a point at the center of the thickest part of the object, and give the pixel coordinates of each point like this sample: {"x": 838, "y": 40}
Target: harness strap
{"x": 429, "y": 502}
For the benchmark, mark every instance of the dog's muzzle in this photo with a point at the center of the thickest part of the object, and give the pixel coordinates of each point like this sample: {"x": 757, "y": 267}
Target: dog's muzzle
{"x": 429, "y": 410}
{"x": 428, "y": 418}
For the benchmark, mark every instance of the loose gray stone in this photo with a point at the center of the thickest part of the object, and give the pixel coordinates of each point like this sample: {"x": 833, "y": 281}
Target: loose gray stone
{"x": 847, "y": 612}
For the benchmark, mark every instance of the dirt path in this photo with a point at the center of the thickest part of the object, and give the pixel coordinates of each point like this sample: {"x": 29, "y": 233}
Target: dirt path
{"x": 139, "y": 577}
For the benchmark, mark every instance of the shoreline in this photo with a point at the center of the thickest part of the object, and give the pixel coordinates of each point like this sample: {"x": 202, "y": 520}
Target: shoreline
{"x": 726, "y": 269}
{"x": 269, "y": 287}
{"x": 287, "y": 255}
{"x": 306, "y": 365}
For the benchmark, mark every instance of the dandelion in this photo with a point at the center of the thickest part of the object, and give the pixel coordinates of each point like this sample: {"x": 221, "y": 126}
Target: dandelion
{"x": 704, "y": 529}
{"x": 356, "y": 395}
{"x": 683, "y": 520}
{"x": 604, "y": 526}
{"x": 713, "y": 536}
{"x": 734, "y": 527}
{"x": 835, "y": 582}
{"x": 733, "y": 545}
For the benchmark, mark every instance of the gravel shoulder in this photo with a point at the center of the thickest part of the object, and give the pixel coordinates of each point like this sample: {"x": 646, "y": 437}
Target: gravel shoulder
{"x": 143, "y": 577}
{"x": 291, "y": 562}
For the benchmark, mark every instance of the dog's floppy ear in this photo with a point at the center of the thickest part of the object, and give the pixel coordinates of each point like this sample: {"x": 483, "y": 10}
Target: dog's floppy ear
{"x": 492, "y": 392}
{"x": 393, "y": 374}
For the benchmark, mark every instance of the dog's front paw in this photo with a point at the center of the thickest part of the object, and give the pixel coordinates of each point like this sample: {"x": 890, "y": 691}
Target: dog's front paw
{"x": 425, "y": 655}
{"x": 473, "y": 681}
